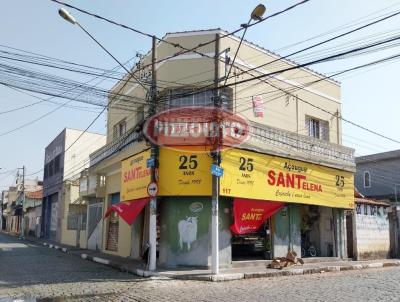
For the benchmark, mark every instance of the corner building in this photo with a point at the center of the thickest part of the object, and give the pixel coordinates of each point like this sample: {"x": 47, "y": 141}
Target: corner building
{"x": 286, "y": 187}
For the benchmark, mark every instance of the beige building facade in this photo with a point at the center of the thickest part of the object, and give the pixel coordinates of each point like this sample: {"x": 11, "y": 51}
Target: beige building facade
{"x": 293, "y": 116}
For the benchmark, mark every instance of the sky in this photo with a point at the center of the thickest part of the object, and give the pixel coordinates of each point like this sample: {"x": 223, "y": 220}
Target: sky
{"x": 369, "y": 96}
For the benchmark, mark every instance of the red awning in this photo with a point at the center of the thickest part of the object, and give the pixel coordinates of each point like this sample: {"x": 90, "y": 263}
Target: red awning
{"x": 250, "y": 214}
{"x": 128, "y": 210}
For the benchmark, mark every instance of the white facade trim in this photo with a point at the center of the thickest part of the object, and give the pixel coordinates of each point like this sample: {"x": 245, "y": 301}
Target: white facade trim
{"x": 190, "y": 56}
{"x": 194, "y": 33}
{"x": 247, "y": 43}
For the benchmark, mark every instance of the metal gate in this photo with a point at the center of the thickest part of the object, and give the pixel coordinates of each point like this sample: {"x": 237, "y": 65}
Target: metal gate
{"x": 95, "y": 224}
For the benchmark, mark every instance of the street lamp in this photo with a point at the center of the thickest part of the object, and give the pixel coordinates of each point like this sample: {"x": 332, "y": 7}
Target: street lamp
{"x": 69, "y": 18}
{"x": 66, "y": 16}
{"x": 152, "y": 92}
{"x": 256, "y": 14}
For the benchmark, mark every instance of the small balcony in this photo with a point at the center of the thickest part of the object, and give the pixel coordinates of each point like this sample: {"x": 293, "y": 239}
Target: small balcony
{"x": 284, "y": 143}
{"x": 91, "y": 185}
{"x": 263, "y": 139}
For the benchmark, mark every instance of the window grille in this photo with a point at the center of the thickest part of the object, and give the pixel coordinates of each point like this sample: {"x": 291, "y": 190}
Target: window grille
{"x": 317, "y": 128}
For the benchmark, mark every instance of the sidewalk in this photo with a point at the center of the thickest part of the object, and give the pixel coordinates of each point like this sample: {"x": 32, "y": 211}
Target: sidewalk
{"x": 257, "y": 269}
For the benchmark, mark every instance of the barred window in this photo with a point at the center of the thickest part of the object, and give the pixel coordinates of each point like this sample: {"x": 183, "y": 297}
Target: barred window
{"x": 187, "y": 97}
{"x": 317, "y": 128}
{"x": 73, "y": 220}
{"x": 119, "y": 129}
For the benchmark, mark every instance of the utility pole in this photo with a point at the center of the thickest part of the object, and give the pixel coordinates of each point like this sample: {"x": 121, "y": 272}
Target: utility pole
{"x": 154, "y": 153}
{"x": 216, "y": 161}
{"x": 23, "y": 203}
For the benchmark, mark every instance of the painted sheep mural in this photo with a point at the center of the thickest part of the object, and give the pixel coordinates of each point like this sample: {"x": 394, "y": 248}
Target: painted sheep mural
{"x": 187, "y": 229}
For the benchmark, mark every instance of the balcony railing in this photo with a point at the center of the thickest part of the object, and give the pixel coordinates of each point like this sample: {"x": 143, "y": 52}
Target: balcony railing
{"x": 115, "y": 146}
{"x": 265, "y": 138}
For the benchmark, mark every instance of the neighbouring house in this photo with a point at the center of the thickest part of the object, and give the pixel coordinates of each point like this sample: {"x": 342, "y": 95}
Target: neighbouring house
{"x": 378, "y": 177}
{"x": 286, "y": 187}
{"x": 63, "y": 212}
{"x": 4, "y": 211}
{"x": 90, "y": 187}
{"x": 73, "y": 222}
{"x": 14, "y": 208}
{"x": 33, "y": 212}
{"x": 13, "y": 212}
{"x": 368, "y": 229}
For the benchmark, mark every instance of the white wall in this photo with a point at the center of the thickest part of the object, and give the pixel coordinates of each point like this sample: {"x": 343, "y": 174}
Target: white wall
{"x": 77, "y": 157}
{"x": 372, "y": 234}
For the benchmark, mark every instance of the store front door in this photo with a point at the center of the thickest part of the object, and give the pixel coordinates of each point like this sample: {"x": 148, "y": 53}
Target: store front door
{"x": 253, "y": 246}
{"x": 251, "y": 230}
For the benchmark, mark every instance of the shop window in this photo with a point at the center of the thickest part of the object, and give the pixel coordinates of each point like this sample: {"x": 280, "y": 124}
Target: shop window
{"x": 317, "y": 128}
{"x": 378, "y": 211}
{"x": 373, "y": 210}
{"x": 365, "y": 209}
{"x": 367, "y": 179}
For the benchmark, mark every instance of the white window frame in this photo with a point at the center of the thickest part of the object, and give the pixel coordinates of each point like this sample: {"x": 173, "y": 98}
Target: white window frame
{"x": 117, "y": 133}
{"x": 315, "y": 128}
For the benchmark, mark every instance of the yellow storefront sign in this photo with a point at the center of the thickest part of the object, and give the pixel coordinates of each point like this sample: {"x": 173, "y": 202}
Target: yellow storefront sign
{"x": 184, "y": 171}
{"x": 260, "y": 176}
{"x": 135, "y": 176}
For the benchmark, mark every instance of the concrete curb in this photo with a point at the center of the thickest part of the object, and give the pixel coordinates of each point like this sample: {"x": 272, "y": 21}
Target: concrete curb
{"x": 227, "y": 276}
{"x": 374, "y": 265}
{"x": 235, "y": 276}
